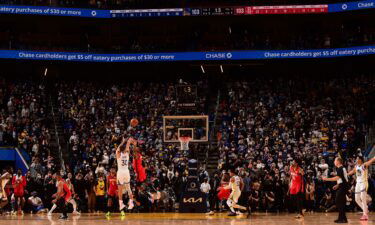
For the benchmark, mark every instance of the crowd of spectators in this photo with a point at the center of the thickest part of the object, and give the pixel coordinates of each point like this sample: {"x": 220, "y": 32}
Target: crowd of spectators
{"x": 96, "y": 117}
{"x": 24, "y": 122}
{"x": 265, "y": 123}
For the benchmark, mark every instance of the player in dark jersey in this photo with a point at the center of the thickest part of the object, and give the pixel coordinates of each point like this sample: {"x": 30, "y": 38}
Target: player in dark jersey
{"x": 112, "y": 190}
{"x": 63, "y": 196}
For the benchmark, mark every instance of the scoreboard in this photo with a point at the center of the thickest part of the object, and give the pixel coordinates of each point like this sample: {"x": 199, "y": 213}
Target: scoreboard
{"x": 186, "y": 95}
{"x": 286, "y": 9}
{"x": 132, "y": 13}
{"x": 218, "y": 11}
{"x": 252, "y": 10}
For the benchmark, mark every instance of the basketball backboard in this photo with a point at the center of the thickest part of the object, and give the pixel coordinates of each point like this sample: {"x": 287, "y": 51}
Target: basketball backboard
{"x": 195, "y": 126}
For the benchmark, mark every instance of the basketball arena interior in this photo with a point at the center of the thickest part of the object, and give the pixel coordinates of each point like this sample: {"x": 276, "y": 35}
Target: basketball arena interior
{"x": 187, "y": 112}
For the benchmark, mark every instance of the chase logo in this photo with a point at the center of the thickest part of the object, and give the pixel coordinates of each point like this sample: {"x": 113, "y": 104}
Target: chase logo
{"x": 229, "y": 55}
{"x": 344, "y": 6}
{"x": 215, "y": 56}
{"x": 93, "y": 13}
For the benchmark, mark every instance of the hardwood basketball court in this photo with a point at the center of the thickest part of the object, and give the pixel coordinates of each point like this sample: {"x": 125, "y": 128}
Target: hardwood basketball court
{"x": 180, "y": 219}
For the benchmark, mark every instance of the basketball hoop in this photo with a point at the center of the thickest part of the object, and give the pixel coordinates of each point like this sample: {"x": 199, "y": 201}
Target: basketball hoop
{"x": 184, "y": 143}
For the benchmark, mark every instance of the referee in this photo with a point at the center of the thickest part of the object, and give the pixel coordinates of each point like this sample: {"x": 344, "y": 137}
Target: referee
{"x": 342, "y": 187}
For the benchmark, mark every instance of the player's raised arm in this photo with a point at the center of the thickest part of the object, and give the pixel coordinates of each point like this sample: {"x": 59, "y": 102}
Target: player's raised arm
{"x": 368, "y": 163}
{"x": 129, "y": 142}
{"x": 135, "y": 142}
{"x": 118, "y": 150}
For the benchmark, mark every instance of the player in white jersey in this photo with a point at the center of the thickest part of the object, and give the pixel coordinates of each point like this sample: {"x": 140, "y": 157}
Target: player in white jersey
{"x": 4, "y": 179}
{"x": 236, "y": 185}
{"x": 123, "y": 173}
{"x": 360, "y": 171}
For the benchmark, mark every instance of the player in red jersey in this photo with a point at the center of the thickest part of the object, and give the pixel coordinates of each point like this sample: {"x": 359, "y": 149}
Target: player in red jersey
{"x": 63, "y": 195}
{"x": 112, "y": 190}
{"x": 71, "y": 201}
{"x": 19, "y": 184}
{"x": 137, "y": 165}
{"x": 296, "y": 186}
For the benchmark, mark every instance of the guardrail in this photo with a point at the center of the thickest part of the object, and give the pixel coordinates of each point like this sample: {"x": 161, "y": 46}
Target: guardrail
{"x": 190, "y": 56}
{"x": 57, "y": 135}
{"x": 213, "y": 130}
{"x": 179, "y": 12}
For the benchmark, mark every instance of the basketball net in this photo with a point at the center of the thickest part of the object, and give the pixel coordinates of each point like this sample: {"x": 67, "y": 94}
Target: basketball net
{"x": 184, "y": 141}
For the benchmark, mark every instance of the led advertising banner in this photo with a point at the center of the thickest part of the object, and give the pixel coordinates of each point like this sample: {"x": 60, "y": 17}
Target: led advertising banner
{"x": 349, "y": 6}
{"x": 190, "y": 56}
{"x": 51, "y": 11}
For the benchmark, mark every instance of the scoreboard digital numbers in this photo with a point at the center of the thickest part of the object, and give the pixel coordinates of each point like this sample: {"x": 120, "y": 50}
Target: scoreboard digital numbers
{"x": 186, "y": 95}
{"x": 284, "y": 9}
{"x": 218, "y": 11}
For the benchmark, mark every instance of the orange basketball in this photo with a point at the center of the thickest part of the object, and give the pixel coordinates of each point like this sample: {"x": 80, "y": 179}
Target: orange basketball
{"x": 133, "y": 122}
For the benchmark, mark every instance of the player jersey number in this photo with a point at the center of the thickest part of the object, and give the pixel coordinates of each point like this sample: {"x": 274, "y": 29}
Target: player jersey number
{"x": 124, "y": 162}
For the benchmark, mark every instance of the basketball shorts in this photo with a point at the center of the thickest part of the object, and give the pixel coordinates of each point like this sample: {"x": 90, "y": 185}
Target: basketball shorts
{"x": 123, "y": 177}
{"x": 234, "y": 196}
{"x": 361, "y": 187}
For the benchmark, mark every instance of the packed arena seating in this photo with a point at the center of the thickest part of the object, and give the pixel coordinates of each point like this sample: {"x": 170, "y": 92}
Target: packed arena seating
{"x": 86, "y": 131}
{"x": 96, "y": 117}
{"x": 264, "y": 123}
{"x": 24, "y": 122}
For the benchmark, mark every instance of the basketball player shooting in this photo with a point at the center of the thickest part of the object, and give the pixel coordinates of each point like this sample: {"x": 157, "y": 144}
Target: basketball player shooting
{"x": 123, "y": 174}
